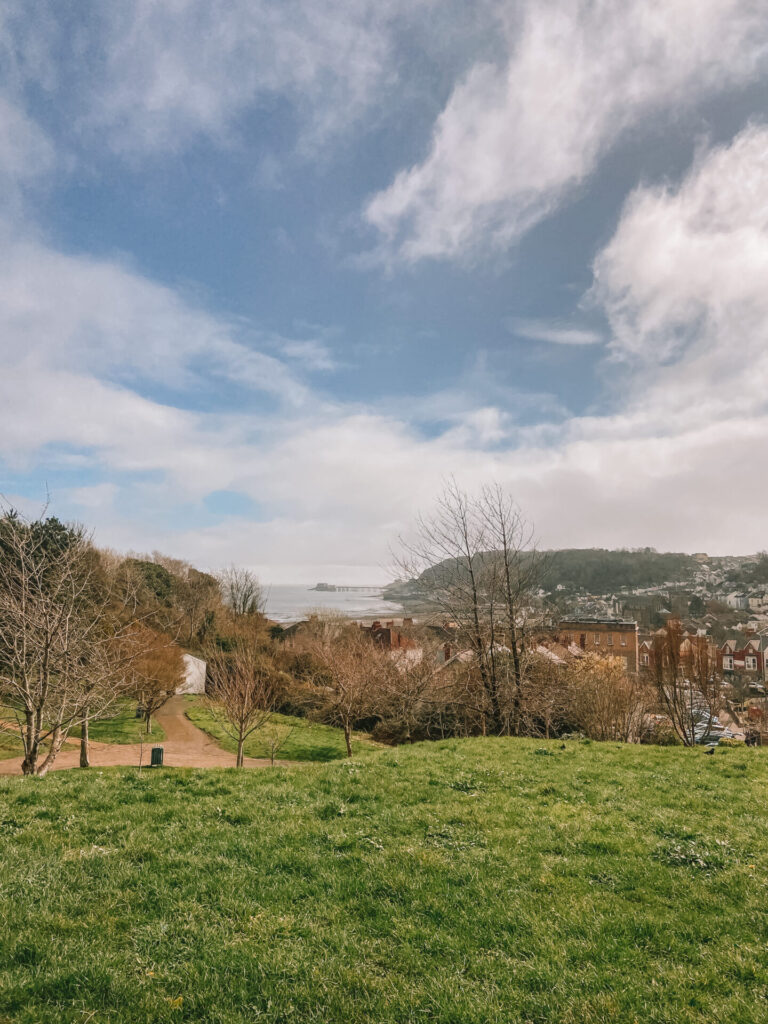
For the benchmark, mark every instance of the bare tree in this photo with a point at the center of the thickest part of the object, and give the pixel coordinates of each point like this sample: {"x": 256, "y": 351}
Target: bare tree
{"x": 241, "y": 591}
{"x": 604, "y": 701}
{"x": 544, "y": 705}
{"x": 475, "y": 564}
{"x": 245, "y": 688}
{"x": 520, "y": 572}
{"x": 353, "y": 677}
{"x": 275, "y": 735}
{"x": 55, "y": 635}
{"x": 688, "y": 685}
{"x": 421, "y": 692}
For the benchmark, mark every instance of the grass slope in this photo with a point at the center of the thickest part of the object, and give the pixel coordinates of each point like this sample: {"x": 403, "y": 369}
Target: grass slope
{"x": 124, "y": 727}
{"x": 470, "y": 882}
{"x": 304, "y": 740}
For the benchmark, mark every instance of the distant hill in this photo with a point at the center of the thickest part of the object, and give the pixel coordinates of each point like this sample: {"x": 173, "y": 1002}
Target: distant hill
{"x": 595, "y": 570}
{"x": 599, "y": 571}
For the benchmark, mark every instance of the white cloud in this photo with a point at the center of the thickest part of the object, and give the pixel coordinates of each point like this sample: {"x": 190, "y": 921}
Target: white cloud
{"x": 60, "y": 310}
{"x": 176, "y": 71}
{"x": 311, "y": 354}
{"x": 683, "y": 283}
{"x": 555, "y": 333}
{"x": 514, "y": 138}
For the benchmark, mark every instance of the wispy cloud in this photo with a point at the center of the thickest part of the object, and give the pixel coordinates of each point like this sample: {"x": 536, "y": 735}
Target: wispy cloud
{"x": 515, "y": 137}
{"x": 554, "y": 332}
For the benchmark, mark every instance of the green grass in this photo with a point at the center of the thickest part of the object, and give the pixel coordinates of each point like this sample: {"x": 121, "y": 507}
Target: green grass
{"x": 464, "y": 882}
{"x": 124, "y": 727}
{"x": 304, "y": 740}
{"x": 10, "y": 745}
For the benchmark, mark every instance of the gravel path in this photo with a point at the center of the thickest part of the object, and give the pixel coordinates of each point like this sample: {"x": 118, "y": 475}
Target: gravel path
{"x": 184, "y": 746}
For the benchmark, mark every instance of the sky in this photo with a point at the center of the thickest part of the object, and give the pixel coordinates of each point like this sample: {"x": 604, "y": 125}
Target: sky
{"x": 272, "y": 271}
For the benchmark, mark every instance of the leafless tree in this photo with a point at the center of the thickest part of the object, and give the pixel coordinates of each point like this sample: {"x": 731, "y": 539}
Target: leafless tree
{"x": 241, "y": 591}
{"x": 544, "y": 707}
{"x": 604, "y": 701}
{"x": 245, "y": 688}
{"x": 353, "y": 677}
{"x": 520, "y": 571}
{"x": 421, "y": 693}
{"x": 475, "y": 564}
{"x": 688, "y": 685}
{"x": 276, "y": 735}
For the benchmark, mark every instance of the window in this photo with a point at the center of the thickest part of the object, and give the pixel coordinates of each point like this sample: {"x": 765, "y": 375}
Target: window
{"x": 583, "y": 641}
{"x": 750, "y": 662}
{"x": 643, "y": 659}
{"x": 623, "y": 640}
{"x": 597, "y": 638}
{"x": 728, "y": 662}
{"x": 609, "y": 639}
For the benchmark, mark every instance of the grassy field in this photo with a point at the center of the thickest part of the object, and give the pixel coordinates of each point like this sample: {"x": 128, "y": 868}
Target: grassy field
{"x": 303, "y": 740}
{"x": 10, "y": 745}
{"x": 464, "y": 882}
{"x": 124, "y": 727}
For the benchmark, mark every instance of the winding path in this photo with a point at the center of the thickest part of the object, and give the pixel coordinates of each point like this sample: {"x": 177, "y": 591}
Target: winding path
{"x": 184, "y": 746}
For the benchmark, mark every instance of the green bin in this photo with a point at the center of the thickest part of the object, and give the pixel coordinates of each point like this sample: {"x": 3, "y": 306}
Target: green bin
{"x": 157, "y": 757}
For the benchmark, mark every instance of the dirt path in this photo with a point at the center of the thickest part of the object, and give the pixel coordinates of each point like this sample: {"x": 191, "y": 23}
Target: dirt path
{"x": 184, "y": 746}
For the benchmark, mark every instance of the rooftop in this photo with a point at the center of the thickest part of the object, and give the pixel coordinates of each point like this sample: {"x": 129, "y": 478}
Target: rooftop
{"x": 588, "y": 620}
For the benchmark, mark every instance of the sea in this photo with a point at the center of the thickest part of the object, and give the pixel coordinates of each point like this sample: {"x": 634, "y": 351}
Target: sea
{"x": 288, "y": 603}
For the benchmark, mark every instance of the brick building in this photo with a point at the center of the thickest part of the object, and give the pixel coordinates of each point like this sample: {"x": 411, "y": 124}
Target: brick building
{"x": 615, "y": 637}
{"x": 744, "y": 655}
{"x": 386, "y": 635}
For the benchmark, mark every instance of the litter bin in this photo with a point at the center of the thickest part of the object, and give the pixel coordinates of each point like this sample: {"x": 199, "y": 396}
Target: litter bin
{"x": 157, "y": 757}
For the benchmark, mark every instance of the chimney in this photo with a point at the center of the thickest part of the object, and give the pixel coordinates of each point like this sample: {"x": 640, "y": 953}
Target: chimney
{"x": 447, "y": 652}
{"x": 407, "y": 623}
{"x": 391, "y": 624}
{"x": 376, "y": 625}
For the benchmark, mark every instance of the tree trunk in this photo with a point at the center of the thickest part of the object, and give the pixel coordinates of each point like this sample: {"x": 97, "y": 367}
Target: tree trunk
{"x": 348, "y": 738}
{"x": 148, "y": 723}
{"x": 29, "y": 764}
{"x": 84, "y": 743}
{"x": 31, "y": 738}
{"x": 239, "y": 760}
{"x": 57, "y": 738}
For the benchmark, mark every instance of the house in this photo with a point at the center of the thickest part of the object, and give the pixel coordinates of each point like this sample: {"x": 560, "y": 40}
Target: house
{"x": 694, "y": 640}
{"x": 616, "y": 637}
{"x": 737, "y": 600}
{"x": 744, "y": 655}
{"x": 390, "y": 638}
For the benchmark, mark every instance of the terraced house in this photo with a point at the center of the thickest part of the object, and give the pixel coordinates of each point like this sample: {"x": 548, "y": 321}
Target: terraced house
{"x": 615, "y": 637}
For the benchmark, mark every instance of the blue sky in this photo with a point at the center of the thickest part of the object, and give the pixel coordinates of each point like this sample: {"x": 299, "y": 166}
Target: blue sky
{"x": 270, "y": 272}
